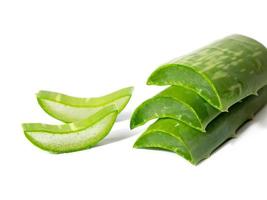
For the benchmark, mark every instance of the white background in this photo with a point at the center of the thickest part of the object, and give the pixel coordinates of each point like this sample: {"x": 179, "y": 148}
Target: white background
{"x": 90, "y": 48}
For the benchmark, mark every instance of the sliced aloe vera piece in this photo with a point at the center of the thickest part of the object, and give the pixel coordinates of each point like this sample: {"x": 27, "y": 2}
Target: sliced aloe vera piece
{"x": 178, "y": 103}
{"x": 223, "y": 72}
{"x": 74, "y": 136}
{"x": 172, "y": 135}
{"x": 70, "y": 109}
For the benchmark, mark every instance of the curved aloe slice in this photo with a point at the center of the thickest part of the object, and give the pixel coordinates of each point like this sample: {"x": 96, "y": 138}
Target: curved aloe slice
{"x": 222, "y": 73}
{"x": 178, "y": 103}
{"x": 70, "y": 109}
{"x": 172, "y": 135}
{"x": 74, "y": 136}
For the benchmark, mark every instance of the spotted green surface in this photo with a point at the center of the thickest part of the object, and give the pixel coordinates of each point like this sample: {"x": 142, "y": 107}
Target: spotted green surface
{"x": 178, "y": 103}
{"x": 70, "y": 109}
{"x": 74, "y": 136}
{"x": 175, "y": 136}
{"x": 223, "y": 72}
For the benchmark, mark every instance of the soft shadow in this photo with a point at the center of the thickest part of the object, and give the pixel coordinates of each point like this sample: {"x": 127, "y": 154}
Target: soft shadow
{"x": 118, "y": 135}
{"x": 261, "y": 117}
{"x": 124, "y": 116}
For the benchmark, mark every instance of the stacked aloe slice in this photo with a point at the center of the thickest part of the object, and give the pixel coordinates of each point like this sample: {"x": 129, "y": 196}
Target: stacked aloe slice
{"x": 212, "y": 92}
{"x": 87, "y": 120}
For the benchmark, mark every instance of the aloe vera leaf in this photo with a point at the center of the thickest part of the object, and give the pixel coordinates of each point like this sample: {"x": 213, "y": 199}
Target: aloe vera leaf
{"x": 74, "y": 136}
{"x": 175, "y": 136}
{"x": 70, "y": 109}
{"x": 178, "y": 103}
{"x": 223, "y": 72}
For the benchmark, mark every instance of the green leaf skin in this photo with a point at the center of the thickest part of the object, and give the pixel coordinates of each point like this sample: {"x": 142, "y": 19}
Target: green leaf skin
{"x": 70, "y": 109}
{"x": 223, "y": 72}
{"x": 178, "y": 103}
{"x": 175, "y": 136}
{"x": 74, "y": 136}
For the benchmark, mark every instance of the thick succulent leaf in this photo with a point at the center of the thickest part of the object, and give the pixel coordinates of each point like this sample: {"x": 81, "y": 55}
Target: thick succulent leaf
{"x": 70, "y": 109}
{"x": 74, "y": 136}
{"x": 173, "y": 135}
{"x": 223, "y": 72}
{"x": 178, "y": 103}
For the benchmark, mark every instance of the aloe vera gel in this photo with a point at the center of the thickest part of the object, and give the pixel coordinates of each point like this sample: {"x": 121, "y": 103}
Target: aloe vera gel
{"x": 89, "y": 120}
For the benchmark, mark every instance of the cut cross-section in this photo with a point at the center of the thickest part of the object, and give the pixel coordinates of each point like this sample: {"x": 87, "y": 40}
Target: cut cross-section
{"x": 223, "y": 72}
{"x": 70, "y": 109}
{"x": 74, "y": 136}
{"x": 178, "y": 103}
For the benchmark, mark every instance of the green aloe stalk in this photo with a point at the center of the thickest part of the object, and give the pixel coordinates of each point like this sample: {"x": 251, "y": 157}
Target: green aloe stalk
{"x": 73, "y": 136}
{"x": 178, "y": 103}
{"x": 223, "y": 72}
{"x": 175, "y": 136}
{"x": 70, "y": 109}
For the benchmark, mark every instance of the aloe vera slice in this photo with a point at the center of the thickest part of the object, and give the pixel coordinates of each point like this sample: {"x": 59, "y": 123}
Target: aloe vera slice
{"x": 223, "y": 72}
{"x": 70, "y": 109}
{"x": 175, "y": 136}
{"x": 178, "y": 103}
{"x": 74, "y": 136}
